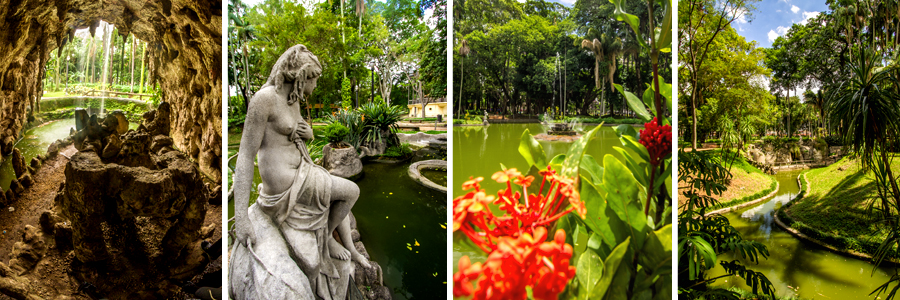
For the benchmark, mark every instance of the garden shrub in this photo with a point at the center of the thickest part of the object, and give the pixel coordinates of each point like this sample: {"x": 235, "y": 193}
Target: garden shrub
{"x": 335, "y": 133}
{"x": 834, "y": 140}
{"x": 399, "y": 151}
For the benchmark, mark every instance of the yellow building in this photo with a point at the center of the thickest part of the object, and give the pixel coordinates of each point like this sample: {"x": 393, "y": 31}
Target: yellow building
{"x": 433, "y": 107}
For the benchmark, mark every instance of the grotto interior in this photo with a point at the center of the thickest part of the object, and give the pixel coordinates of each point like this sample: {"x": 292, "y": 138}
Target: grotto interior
{"x": 110, "y": 211}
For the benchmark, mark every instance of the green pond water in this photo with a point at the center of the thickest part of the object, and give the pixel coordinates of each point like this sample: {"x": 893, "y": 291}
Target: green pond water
{"x": 479, "y": 151}
{"x": 393, "y": 214}
{"x": 796, "y": 267}
{"x": 35, "y": 142}
{"x": 438, "y": 177}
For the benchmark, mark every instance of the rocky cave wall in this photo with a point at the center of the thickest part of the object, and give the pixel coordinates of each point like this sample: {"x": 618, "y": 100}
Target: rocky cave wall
{"x": 184, "y": 57}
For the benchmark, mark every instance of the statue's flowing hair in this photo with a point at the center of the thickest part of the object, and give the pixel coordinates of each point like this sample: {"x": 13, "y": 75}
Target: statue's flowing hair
{"x": 297, "y": 65}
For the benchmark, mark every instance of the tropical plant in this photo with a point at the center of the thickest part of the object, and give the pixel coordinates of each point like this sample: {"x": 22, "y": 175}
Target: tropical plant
{"x": 605, "y": 48}
{"x": 628, "y": 253}
{"x": 867, "y": 105}
{"x": 335, "y": 133}
{"x": 379, "y": 121}
{"x": 463, "y": 52}
{"x": 702, "y": 238}
{"x": 352, "y": 120}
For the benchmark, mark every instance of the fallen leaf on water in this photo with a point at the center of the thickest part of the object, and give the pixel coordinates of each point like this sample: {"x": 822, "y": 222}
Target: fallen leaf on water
{"x": 443, "y": 226}
{"x": 435, "y": 274}
{"x": 404, "y": 226}
{"x": 408, "y": 246}
{"x": 417, "y": 243}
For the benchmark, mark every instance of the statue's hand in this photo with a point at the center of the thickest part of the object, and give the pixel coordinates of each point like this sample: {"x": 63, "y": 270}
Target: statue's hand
{"x": 304, "y": 131}
{"x": 245, "y": 232}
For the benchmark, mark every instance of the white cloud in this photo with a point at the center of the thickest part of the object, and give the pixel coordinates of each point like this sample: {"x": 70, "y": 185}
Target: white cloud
{"x": 795, "y": 9}
{"x": 773, "y": 34}
{"x": 807, "y": 15}
{"x": 778, "y": 10}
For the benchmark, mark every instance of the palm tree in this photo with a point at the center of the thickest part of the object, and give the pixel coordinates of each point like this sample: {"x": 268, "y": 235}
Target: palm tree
{"x": 606, "y": 48}
{"x": 360, "y": 11}
{"x": 871, "y": 122}
{"x": 463, "y": 52}
{"x": 244, "y": 32}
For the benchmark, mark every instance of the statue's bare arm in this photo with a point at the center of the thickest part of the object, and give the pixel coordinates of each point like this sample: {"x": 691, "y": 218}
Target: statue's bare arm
{"x": 255, "y": 124}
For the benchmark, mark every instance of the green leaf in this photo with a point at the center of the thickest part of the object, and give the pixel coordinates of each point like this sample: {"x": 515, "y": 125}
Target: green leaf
{"x": 665, "y": 90}
{"x": 622, "y": 196}
{"x": 664, "y": 40}
{"x": 632, "y": 144}
{"x": 596, "y": 218}
{"x": 532, "y": 151}
{"x": 638, "y": 169}
{"x": 610, "y": 269}
{"x": 629, "y": 19}
{"x": 634, "y": 103}
{"x": 557, "y": 162}
{"x": 590, "y": 166}
{"x": 594, "y": 241}
{"x": 656, "y": 256}
{"x": 572, "y": 163}
{"x": 589, "y": 271}
{"x": 649, "y": 98}
{"x": 626, "y": 130}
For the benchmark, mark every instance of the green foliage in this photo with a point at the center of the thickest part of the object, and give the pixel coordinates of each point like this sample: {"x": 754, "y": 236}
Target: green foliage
{"x": 702, "y": 238}
{"x": 628, "y": 253}
{"x": 380, "y": 122}
{"x": 398, "y": 151}
{"x": 719, "y": 66}
{"x": 352, "y": 120}
{"x": 346, "y": 102}
{"x": 335, "y": 133}
{"x": 834, "y": 140}
{"x": 515, "y": 49}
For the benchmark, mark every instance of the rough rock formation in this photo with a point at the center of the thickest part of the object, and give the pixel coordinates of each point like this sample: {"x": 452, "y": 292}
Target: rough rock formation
{"x": 117, "y": 178}
{"x": 184, "y": 58}
{"x": 342, "y": 162}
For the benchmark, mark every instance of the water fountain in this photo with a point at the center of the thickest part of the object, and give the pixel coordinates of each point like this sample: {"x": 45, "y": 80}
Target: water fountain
{"x": 567, "y": 131}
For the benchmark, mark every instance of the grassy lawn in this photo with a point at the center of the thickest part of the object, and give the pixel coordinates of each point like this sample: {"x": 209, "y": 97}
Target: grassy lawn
{"x": 55, "y": 94}
{"x": 467, "y": 122}
{"x": 747, "y": 183}
{"x": 427, "y": 132}
{"x": 835, "y": 205}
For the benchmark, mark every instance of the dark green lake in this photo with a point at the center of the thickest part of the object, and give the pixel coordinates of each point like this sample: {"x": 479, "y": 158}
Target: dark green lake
{"x": 796, "y": 267}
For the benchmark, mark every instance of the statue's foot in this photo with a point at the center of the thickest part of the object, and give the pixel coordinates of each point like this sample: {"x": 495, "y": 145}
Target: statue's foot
{"x": 338, "y": 251}
{"x": 361, "y": 260}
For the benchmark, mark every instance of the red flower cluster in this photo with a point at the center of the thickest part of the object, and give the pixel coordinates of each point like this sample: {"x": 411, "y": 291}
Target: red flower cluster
{"x": 517, "y": 263}
{"x": 658, "y": 141}
{"x": 471, "y": 212}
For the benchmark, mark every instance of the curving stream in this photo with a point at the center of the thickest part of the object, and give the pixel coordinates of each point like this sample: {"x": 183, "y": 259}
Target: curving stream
{"x": 796, "y": 267}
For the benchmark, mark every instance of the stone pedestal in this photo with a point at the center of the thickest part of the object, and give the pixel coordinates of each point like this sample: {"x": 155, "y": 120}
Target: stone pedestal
{"x": 343, "y": 162}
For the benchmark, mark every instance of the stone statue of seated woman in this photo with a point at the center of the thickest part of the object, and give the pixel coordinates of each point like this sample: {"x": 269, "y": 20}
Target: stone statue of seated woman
{"x": 284, "y": 246}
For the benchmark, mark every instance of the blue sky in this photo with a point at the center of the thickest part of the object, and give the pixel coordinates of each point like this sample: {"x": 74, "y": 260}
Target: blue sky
{"x": 773, "y": 18}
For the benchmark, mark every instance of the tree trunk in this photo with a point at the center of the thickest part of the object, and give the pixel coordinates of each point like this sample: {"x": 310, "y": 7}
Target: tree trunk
{"x": 143, "y": 53}
{"x": 247, "y": 80}
{"x": 461, "y": 72}
{"x": 56, "y": 84}
{"x": 133, "y": 42}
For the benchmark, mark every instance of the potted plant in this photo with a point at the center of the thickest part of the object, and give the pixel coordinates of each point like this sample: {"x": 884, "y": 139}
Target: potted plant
{"x": 339, "y": 157}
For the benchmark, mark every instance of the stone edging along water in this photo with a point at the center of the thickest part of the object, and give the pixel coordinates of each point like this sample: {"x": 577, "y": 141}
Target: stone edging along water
{"x": 803, "y": 236}
{"x": 415, "y": 169}
{"x": 745, "y": 204}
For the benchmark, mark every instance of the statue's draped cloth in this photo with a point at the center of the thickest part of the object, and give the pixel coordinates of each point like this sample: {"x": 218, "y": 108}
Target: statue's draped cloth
{"x": 271, "y": 270}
